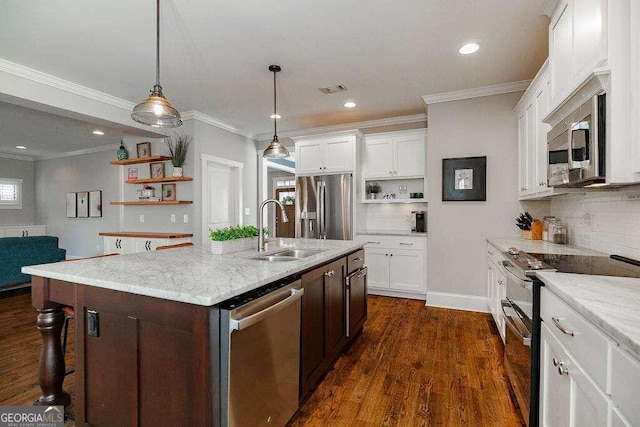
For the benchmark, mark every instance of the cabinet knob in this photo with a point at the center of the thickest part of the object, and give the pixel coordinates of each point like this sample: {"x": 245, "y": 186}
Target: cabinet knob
{"x": 500, "y": 282}
{"x": 542, "y": 183}
{"x": 489, "y": 267}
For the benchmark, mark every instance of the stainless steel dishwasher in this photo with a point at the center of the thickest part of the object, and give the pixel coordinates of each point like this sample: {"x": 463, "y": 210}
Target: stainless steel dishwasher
{"x": 260, "y": 356}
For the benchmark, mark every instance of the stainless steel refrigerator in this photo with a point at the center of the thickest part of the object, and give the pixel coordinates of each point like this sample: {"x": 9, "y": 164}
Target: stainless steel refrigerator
{"x": 324, "y": 208}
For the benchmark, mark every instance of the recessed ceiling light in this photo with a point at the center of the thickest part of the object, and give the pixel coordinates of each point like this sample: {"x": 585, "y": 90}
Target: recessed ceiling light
{"x": 21, "y": 147}
{"x": 350, "y": 104}
{"x": 98, "y": 132}
{"x": 469, "y": 48}
{"x": 276, "y": 116}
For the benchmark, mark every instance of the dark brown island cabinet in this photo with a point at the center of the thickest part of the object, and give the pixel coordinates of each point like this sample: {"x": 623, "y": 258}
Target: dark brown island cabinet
{"x": 149, "y": 361}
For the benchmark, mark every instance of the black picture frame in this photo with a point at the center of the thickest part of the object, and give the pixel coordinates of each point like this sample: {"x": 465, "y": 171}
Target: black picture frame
{"x": 471, "y": 182}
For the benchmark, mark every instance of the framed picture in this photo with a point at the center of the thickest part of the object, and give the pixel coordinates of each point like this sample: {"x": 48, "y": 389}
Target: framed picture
{"x": 132, "y": 174}
{"x": 156, "y": 170}
{"x": 82, "y": 200}
{"x": 168, "y": 192}
{"x": 143, "y": 149}
{"x": 95, "y": 204}
{"x": 464, "y": 179}
{"x": 71, "y": 205}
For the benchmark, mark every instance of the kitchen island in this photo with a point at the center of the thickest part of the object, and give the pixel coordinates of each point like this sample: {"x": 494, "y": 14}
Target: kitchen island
{"x": 147, "y": 328}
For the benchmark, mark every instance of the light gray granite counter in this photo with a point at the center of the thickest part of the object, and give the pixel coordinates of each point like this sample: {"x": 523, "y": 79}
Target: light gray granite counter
{"x": 611, "y": 303}
{"x": 540, "y": 246}
{"x": 392, "y": 233}
{"x": 191, "y": 274}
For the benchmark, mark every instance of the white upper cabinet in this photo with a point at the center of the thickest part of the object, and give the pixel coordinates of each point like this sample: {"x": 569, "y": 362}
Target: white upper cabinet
{"x": 577, "y": 44}
{"x": 395, "y": 154}
{"x": 532, "y": 137}
{"x": 326, "y": 154}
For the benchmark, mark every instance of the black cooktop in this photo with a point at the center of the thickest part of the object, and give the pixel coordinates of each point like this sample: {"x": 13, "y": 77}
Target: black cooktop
{"x": 597, "y": 265}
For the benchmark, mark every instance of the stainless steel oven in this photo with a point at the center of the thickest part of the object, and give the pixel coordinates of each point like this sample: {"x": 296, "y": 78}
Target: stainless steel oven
{"x": 517, "y": 309}
{"x": 576, "y": 146}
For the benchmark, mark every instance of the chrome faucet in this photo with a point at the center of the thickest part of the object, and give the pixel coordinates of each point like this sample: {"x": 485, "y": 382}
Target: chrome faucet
{"x": 261, "y": 241}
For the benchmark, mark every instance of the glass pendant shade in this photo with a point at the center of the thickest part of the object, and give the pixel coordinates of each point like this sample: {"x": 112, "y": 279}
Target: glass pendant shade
{"x": 156, "y": 111}
{"x": 275, "y": 150}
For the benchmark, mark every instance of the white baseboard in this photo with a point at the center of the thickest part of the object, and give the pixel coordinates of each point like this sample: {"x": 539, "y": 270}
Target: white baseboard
{"x": 457, "y": 301}
{"x": 396, "y": 294}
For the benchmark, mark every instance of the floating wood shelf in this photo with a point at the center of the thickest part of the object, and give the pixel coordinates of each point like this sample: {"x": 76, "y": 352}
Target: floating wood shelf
{"x": 141, "y": 160}
{"x": 157, "y": 180}
{"x": 160, "y": 202}
{"x": 384, "y": 201}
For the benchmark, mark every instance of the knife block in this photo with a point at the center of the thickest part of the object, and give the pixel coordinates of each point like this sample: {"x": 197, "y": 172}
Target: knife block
{"x": 526, "y": 234}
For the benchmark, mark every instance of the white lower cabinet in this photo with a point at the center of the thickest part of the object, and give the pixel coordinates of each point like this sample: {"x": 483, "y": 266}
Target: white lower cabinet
{"x": 496, "y": 288}
{"x": 129, "y": 245}
{"x": 396, "y": 265}
{"x": 569, "y": 397}
{"x": 23, "y": 231}
{"x": 586, "y": 379}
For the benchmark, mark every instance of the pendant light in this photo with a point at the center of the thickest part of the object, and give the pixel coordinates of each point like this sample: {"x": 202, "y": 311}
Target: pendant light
{"x": 156, "y": 110}
{"x": 275, "y": 150}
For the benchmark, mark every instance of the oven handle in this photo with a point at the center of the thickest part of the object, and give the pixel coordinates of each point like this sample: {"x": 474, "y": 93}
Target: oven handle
{"x": 527, "y": 284}
{"x": 510, "y": 321}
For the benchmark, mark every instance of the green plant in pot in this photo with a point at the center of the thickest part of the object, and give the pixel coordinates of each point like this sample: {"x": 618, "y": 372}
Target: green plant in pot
{"x": 178, "y": 147}
{"x": 373, "y": 188}
{"x": 233, "y": 239}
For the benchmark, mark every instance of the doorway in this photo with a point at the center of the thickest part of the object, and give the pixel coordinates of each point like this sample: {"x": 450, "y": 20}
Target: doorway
{"x": 221, "y": 193}
{"x": 286, "y": 196}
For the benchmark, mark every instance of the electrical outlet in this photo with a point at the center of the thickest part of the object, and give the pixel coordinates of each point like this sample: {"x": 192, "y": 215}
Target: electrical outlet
{"x": 141, "y": 218}
{"x": 247, "y": 211}
{"x": 173, "y": 217}
{"x": 185, "y": 219}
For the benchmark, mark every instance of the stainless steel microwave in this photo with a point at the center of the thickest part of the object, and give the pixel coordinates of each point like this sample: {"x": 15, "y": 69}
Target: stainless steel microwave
{"x": 577, "y": 146}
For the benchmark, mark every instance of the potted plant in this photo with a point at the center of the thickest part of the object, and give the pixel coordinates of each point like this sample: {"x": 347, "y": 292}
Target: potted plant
{"x": 373, "y": 188}
{"x": 233, "y": 239}
{"x": 178, "y": 149}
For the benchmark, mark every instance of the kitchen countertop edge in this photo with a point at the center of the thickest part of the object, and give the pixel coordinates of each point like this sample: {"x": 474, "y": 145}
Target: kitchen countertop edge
{"x": 191, "y": 275}
{"x": 540, "y": 246}
{"x": 391, "y": 233}
{"x": 617, "y": 314}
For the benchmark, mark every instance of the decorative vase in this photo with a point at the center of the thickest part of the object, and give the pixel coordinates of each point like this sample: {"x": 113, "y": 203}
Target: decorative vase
{"x": 373, "y": 196}
{"x": 177, "y": 171}
{"x": 122, "y": 153}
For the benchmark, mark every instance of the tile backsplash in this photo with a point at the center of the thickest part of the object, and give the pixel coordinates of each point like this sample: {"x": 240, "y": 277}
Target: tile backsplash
{"x": 604, "y": 221}
{"x": 392, "y": 216}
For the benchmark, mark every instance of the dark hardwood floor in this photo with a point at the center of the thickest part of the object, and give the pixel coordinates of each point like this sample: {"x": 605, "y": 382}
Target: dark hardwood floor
{"x": 412, "y": 366}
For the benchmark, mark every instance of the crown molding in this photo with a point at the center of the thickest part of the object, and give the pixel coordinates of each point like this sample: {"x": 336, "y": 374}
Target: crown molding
{"x": 478, "y": 92}
{"x": 79, "y": 152}
{"x": 197, "y": 115}
{"x": 65, "y": 85}
{"x": 549, "y": 7}
{"x": 400, "y": 120}
{"x": 16, "y": 157}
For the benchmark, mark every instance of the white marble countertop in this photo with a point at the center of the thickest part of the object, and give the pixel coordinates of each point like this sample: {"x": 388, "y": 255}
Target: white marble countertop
{"x": 392, "y": 233}
{"x": 612, "y": 303}
{"x": 540, "y": 246}
{"x": 191, "y": 274}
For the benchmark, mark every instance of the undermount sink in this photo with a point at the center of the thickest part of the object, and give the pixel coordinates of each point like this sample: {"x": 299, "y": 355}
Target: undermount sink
{"x": 289, "y": 255}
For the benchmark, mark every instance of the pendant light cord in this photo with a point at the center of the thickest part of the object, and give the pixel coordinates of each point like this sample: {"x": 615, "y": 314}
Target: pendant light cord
{"x": 157, "y": 44}
{"x": 275, "y": 112}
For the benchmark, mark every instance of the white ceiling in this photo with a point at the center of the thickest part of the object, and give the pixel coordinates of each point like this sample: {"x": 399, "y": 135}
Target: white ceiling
{"x": 215, "y": 53}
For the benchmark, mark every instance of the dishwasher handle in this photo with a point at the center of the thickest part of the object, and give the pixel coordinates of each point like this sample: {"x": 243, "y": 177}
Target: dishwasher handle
{"x": 240, "y": 324}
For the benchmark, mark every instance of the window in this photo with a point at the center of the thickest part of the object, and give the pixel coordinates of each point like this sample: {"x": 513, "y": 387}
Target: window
{"x": 10, "y": 193}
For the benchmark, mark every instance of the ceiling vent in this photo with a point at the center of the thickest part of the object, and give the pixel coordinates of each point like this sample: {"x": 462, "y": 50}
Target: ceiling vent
{"x": 333, "y": 89}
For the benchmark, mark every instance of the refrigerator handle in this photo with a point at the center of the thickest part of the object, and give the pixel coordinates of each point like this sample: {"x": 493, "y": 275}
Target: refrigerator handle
{"x": 323, "y": 223}
{"x": 320, "y": 215}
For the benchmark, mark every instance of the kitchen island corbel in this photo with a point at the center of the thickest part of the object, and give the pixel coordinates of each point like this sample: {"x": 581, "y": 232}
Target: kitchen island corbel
{"x": 147, "y": 329}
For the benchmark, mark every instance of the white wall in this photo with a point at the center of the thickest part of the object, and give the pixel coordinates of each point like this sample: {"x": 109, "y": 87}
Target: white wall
{"x": 19, "y": 169}
{"x": 457, "y": 230}
{"x": 56, "y": 177}
{"x": 604, "y": 221}
{"x": 217, "y": 142}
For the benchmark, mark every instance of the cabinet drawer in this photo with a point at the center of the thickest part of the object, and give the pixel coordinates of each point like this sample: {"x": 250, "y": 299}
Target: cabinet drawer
{"x": 393, "y": 242}
{"x": 355, "y": 261}
{"x": 625, "y": 377}
{"x": 587, "y": 345}
{"x": 494, "y": 254}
